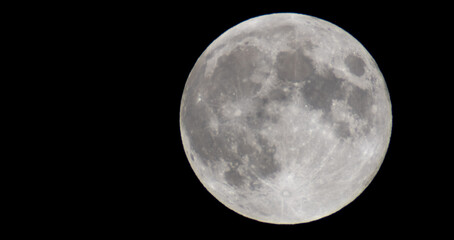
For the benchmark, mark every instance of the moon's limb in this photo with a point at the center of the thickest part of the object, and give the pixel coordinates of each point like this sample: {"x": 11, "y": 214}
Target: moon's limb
{"x": 285, "y": 118}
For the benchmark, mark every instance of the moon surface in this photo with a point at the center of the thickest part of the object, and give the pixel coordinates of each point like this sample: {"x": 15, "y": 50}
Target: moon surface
{"x": 285, "y": 118}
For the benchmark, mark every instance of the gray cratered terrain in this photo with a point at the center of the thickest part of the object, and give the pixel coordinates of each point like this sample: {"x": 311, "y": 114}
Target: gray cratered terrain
{"x": 285, "y": 118}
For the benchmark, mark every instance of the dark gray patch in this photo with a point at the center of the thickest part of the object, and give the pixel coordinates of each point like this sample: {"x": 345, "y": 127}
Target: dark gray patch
{"x": 308, "y": 45}
{"x": 319, "y": 91}
{"x": 278, "y": 95}
{"x": 360, "y": 101}
{"x": 277, "y": 32}
{"x": 254, "y": 184}
{"x": 195, "y": 121}
{"x": 230, "y": 77}
{"x": 355, "y": 64}
{"x": 255, "y": 120}
{"x": 244, "y": 148}
{"x": 342, "y": 130}
{"x": 261, "y": 102}
{"x": 266, "y": 164}
{"x": 293, "y": 66}
{"x": 234, "y": 178}
{"x": 259, "y": 115}
{"x": 239, "y": 63}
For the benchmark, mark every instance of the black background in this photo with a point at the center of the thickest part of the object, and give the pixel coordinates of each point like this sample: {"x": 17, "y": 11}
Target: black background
{"x": 127, "y": 77}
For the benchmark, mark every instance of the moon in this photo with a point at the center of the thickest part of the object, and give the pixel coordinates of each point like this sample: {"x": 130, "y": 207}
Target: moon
{"x": 285, "y": 118}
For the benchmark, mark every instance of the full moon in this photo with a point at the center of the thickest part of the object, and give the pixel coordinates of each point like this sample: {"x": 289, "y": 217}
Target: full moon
{"x": 285, "y": 118}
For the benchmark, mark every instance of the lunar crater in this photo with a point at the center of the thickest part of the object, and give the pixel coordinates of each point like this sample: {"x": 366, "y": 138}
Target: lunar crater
{"x": 355, "y": 64}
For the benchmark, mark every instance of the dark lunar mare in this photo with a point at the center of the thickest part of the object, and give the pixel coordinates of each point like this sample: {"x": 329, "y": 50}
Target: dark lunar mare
{"x": 320, "y": 90}
{"x": 229, "y": 82}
